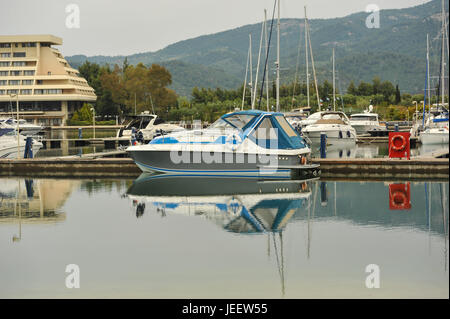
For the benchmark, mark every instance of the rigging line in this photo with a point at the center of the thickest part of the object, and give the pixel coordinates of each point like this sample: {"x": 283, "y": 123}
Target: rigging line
{"x": 298, "y": 62}
{"x": 267, "y": 55}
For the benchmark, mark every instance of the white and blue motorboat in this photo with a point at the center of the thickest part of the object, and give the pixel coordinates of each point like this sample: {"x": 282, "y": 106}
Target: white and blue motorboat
{"x": 249, "y": 143}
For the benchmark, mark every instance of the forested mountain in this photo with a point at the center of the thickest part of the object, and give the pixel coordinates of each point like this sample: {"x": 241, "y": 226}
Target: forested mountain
{"x": 394, "y": 52}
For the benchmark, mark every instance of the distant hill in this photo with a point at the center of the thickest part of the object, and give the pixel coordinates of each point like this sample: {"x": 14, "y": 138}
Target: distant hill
{"x": 394, "y": 52}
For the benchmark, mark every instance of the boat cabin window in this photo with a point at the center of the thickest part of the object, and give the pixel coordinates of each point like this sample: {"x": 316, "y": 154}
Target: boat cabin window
{"x": 285, "y": 126}
{"x": 331, "y": 117}
{"x": 265, "y": 130}
{"x": 158, "y": 121}
{"x": 139, "y": 123}
{"x": 363, "y": 118}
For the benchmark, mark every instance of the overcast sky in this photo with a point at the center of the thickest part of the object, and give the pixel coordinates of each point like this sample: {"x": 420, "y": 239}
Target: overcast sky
{"x": 132, "y": 26}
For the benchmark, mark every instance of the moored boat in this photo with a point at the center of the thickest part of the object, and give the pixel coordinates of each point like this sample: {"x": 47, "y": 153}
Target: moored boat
{"x": 241, "y": 143}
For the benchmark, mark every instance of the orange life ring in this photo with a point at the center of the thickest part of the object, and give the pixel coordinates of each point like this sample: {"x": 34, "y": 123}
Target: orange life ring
{"x": 401, "y": 147}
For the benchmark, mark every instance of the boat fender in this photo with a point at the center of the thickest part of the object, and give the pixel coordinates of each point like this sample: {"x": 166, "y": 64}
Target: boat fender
{"x": 340, "y": 134}
{"x": 348, "y": 134}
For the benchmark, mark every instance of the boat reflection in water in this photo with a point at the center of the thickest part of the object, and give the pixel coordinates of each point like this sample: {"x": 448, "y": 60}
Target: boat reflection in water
{"x": 238, "y": 205}
{"x": 244, "y": 206}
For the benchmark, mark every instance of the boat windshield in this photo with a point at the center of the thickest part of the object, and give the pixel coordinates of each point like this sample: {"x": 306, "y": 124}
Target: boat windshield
{"x": 237, "y": 121}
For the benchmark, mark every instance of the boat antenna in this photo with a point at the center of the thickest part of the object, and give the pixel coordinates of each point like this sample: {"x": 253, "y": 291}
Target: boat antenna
{"x": 267, "y": 54}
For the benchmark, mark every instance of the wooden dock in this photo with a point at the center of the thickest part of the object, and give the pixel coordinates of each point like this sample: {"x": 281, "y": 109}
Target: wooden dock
{"x": 96, "y": 166}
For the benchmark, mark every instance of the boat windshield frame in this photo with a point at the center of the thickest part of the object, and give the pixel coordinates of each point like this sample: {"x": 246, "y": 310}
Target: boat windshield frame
{"x": 239, "y": 122}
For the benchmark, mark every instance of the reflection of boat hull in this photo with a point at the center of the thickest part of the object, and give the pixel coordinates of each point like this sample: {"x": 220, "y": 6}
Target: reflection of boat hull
{"x": 238, "y": 205}
{"x": 200, "y": 163}
{"x": 177, "y": 185}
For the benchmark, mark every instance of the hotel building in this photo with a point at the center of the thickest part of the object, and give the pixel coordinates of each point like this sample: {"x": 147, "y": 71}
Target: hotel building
{"x": 49, "y": 89}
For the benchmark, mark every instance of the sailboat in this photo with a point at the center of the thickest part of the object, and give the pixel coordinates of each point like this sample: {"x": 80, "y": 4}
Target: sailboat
{"x": 436, "y": 128}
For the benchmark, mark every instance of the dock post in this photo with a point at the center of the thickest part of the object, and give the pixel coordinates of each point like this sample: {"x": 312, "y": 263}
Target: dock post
{"x": 28, "y": 148}
{"x": 323, "y": 145}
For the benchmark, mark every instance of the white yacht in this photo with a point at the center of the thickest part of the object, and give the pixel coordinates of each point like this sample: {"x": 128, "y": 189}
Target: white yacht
{"x": 335, "y": 125}
{"x": 243, "y": 143}
{"x": 8, "y": 143}
{"x": 150, "y": 125}
{"x": 365, "y": 122}
{"x": 25, "y": 128}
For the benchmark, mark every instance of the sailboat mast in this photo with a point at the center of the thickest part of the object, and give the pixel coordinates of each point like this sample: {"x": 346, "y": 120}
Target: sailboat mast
{"x": 307, "y": 61}
{"x": 278, "y": 59}
{"x": 257, "y": 66}
{"x": 245, "y": 80}
{"x": 428, "y": 73}
{"x": 251, "y": 68}
{"x": 443, "y": 55}
{"x": 334, "y": 85}
{"x": 267, "y": 50}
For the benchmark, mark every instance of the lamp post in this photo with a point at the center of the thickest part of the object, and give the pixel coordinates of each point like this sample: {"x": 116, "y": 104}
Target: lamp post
{"x": 18, "y": 138}
{"x": 93, "y": 119}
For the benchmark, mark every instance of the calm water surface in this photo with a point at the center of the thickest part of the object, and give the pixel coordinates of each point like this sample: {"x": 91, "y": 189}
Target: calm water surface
{"x": 172, "y": 237}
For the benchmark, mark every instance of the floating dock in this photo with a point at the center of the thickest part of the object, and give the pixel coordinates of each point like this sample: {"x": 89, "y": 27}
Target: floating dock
{"x": 99, "y": 166}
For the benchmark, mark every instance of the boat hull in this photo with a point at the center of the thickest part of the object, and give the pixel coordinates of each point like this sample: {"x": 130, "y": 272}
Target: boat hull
{"x": 333, "y": 136}
{"x": 434, "y": 138}
{"x": 11, "y": 151}
{"x": 224, "y": 164}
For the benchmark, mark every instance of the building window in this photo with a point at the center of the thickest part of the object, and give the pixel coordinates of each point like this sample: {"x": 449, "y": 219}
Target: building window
{"x": 5, "y": 45}
{"x": 28, "y": 45}
{"x": 19, "y": 63}
{"x": 19, "y": 54}
{"x": 16, "y": 73}
{"x": 28, "y": 72}
{"x": 3, "y": 82}
{"x": 3, "y": 73}
{"x": 14, "y": 82}
{"x": 25, "y": 92}
{"x": 2, "y": 92}
{"x": 13, "y": 91}
{"x": 49, "y": 73}
{"x": 27, "y": 82}
{"x": 3, "y": 64}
